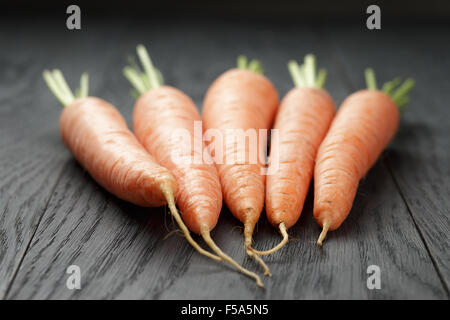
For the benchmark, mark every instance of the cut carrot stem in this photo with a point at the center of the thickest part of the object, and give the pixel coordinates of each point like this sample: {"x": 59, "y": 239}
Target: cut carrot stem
{"x": 391, "y": 85}
{"x": 323, "y": 234}
{"x": 321, "y": 78}
{"x": 296, "y": 74}
{"x": 310, "y": 70}
{"x": 59, "y": 87}
{"x": 252, "y": 65}
{"x": 371, "y": 81}
{"x": 242, "y": 62}
{"x": 209, "y": 241}
{"x": 403, "y": 90}
{"x": 173, "y": 209}
{"x": 148, "y": 66}
{"x": 305, "y": 75}
{"x": 283, "y": 242}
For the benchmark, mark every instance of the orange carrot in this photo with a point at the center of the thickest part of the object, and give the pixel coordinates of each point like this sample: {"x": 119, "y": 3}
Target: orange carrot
{"x": 302, "y": 121}
{"x": 158, "y": 113}
{"x": 241, "y": 99}
{"x": 365, "y": 123}
{"x": 98, "y": 136}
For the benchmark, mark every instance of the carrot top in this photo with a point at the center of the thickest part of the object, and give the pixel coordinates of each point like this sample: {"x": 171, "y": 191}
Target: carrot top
{"x": 395, "y": 89}
{"x": 59, "y": 87}
{"x": 252, "y": 65}
{"x": 305, "y": 75}
{"x": 142, "y": 81}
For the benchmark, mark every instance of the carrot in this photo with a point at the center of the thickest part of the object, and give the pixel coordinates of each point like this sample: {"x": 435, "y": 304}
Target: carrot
{"x": 302, "y": 121}
{"x": 365, "y": 123}
{"x": 98, "y": 136}
{"x": 241, "y": 99}
{"x": 159, "y": 112}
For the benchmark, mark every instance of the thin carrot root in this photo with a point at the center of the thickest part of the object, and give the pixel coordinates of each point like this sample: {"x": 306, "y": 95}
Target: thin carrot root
{"x": 283, "y": 242}
{"x": 209, "y": 241}
{"x": 323, "y": 234}
{"x": 173, "y": 209}
{"x": 248, "y": 232}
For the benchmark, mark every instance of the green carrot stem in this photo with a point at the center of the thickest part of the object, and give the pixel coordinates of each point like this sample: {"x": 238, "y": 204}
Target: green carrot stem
{"x": 142, "y": 81}
{"x": 321, "y": 78}
{"x": 310, "y": 70}
{"x": 403, "y": 90}
{"x": 296, "y": 73}
{"x": 399, "y": 95}
{"x": 391, "y": 85}
{"x": 242, "y": 62}
{"x": 371, "y": 81}
{"x": 135, "y": 79}
{"x": 60, "y": 89}
{"x": 306, "y": 75}
{"x": 148, "y": 65}
{"x": 54, "y": 88}
{"x": 146, "y": 80}
{"x": 160, "y": 77}
{"x": 403, "y": 101}
{"x": 255, "y": 66}
{"x": 252, "y": 65}
{"x": 84, "y": 85}
{"x": 62, "y": 84}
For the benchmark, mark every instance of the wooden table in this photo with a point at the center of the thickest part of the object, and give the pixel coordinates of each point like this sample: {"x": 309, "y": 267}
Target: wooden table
{"x": 53, "y": 215}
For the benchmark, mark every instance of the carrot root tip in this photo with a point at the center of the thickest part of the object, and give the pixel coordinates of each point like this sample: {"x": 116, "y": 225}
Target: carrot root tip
{"x": 323, "y": 234}
{"x": 283, "y": 242}
{"x": 210, "y": 242}
{"x": 248, "y": 232}
{"x": 168, "y": 193}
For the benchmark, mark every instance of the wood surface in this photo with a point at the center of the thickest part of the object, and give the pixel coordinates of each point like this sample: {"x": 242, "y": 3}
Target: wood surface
{"x": 53, "y": 215}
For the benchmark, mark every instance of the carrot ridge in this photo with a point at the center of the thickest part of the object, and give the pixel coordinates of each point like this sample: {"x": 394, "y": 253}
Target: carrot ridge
{"x": 207, "y": 237}
{"x": 283, "y": 231}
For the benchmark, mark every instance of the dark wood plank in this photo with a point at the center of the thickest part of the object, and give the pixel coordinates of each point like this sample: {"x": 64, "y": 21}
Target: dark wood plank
{"x": 120, "y": 247}
{"x": 418, "y": 158}
{"x": 32, "y": 156}
{"x": 28, "y": 169}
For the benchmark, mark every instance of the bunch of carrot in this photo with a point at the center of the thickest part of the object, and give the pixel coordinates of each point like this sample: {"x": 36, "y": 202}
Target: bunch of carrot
{"x": 140, "y": 168}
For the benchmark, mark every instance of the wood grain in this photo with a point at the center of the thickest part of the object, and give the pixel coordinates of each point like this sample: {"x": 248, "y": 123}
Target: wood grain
{"x": 121, "y": 248}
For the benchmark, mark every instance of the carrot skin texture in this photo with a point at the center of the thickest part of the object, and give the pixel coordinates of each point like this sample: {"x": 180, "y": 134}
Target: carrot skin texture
{"x": 157, "y": 114}
{"x": 303, "y": 119}
{"x": 241, "y": 99}
{"x": 99, "y": 138}
{"x": 365, "y": 123}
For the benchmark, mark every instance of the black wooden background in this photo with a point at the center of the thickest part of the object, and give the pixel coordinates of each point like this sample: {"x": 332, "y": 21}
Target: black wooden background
{"x": 53, "y": 215}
